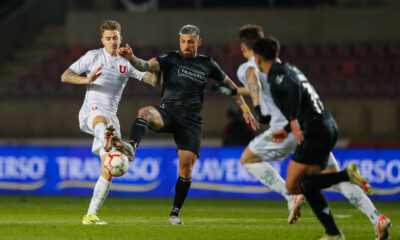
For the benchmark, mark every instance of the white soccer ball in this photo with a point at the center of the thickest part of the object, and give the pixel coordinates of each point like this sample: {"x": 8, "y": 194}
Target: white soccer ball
{"x": 116, "y": 164}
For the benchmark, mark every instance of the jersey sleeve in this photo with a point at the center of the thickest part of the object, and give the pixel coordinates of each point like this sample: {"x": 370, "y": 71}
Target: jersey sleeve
{"x": 216, "y": 72}
{"x": 134, "y": 73}
{"x": 82, "y": 64}
{"x": 286, "y": 93}
{"x": 163, "y": 61}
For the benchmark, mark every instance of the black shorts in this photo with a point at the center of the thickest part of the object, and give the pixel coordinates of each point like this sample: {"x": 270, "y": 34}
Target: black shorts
{"x": 320, "y": 136}
{"x": 186, "y": 127}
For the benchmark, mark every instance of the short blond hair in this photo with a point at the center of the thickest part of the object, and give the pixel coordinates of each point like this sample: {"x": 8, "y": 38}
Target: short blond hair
{"x": 109, "y": 25}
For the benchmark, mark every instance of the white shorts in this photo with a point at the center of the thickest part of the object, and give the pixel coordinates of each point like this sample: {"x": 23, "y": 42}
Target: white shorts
{"x": 86, "y": 117}
{"x": 269, "y": 151}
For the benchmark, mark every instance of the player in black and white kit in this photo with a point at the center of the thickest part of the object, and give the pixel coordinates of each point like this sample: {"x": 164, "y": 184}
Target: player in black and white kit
{"x": 314, "y": 129}
{"x": 261, "y": 150}
{"x": 185, "y": 75}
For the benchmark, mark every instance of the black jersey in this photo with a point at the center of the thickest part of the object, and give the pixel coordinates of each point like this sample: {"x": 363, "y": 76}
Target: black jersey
{"x": 185, "y": 80}
{"x": 293, "y": 93}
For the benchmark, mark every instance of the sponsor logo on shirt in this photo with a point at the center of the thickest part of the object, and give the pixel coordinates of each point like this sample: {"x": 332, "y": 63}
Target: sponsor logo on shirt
{"x": 279, "y": 79}
{"x": 196, "y": 76}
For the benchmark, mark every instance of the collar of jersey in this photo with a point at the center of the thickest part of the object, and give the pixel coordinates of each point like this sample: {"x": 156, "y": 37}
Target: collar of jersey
{"x": 107, "y": 54}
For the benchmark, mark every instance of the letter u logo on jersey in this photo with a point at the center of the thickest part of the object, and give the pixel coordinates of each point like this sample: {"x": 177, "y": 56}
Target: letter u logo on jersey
{"x": 122, "y": 69}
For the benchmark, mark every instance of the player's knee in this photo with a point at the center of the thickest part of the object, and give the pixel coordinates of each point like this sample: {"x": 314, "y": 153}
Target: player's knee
{"x": 99, "y": 119}
{"x": 186, "y": 171}
{"x": 249, "y": 157}
{"x": 186, "y": 168}
{"x": 244, "y": 160}
{"x": 144, "y": 113}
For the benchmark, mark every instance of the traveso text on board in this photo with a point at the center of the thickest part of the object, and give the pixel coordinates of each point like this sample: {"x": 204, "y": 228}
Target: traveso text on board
{"x": 218, "y": 173}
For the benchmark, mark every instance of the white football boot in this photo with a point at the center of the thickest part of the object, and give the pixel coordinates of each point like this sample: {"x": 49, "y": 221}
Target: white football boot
{"x": 174, "y": 220}
{"x": 382, "y": 228}
{"x": 294, "y": 207}
{"x": 111, "y": 140}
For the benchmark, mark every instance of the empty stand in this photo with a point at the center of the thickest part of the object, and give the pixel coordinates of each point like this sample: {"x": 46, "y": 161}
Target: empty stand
{"x": 336, "y": 69}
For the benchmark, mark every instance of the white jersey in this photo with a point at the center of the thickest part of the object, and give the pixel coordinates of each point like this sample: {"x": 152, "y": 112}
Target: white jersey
{"x": 267, "y": 105}
{"x": 107, "y": 89}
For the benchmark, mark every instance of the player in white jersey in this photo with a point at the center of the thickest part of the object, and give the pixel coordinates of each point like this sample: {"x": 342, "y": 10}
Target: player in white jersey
{"x": 106, "y": 76}
{"x": 262, "y": 150}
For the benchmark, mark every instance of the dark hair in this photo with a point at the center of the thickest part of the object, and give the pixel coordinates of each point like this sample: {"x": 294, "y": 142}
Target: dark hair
{"x": 189, "y": 30}
{"x": 109, "y": 25}
{"x": 268, "y": 47}
{"x": 249, "y": 33}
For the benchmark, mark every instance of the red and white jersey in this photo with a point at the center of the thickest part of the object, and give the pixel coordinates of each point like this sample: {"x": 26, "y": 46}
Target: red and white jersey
{"x": 106, "y": 90}
{"x": 267, "y": 105}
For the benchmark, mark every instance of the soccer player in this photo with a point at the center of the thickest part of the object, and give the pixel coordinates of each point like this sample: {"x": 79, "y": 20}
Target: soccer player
{"x": 314, "y": 129}
{"x": 106, "y": 76}
{"x": 185, "y": 74}
{"x": 262, "y": 150}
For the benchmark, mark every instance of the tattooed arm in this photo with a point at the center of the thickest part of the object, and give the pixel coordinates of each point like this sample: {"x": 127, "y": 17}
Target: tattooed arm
{"x": 254, "y": 85}
{"x": 153, "y": 79}
{"x": 144, "y": 66}
{"x": 238, "y": 99}
{"x": 247, "y": 115}
{"x": 70, "y": 77}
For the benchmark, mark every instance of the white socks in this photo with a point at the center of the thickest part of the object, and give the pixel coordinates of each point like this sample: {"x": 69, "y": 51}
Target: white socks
{"x": 99, "y": 195}
{"x": 269, "y": 177}
{"x": 99, "y": 131}
{"x": 358, "y": 198}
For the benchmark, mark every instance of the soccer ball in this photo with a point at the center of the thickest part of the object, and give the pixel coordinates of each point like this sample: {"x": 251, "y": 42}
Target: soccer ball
{"x": 116, "y": 164}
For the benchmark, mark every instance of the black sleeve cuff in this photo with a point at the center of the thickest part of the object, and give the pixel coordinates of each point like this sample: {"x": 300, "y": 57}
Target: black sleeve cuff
{"x": 234, "y": 91}
{"x": 261, "y": 118}
{"x": 287, "y": 128}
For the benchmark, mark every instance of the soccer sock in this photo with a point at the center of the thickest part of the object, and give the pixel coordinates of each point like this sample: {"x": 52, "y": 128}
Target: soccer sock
{"x": 99, "y": 131}
{"x": 138, "y": 130}
{"x": 321, "y": 209}
{"x": 269, "y": 177}
{"x": 181, "y": 190}
{"x": 358, "y": 198}
{"x": 320, "y": 181}
{"x": 99, "y": 195}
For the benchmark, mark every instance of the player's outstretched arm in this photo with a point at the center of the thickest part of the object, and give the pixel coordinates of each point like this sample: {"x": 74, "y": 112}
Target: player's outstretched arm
{"x": 153, "y": 79}
{"x": 144, "y": 66}
{"x": 254, "y": 85}
{"x": 253, "y": 81}
{"x": 243, "y": 91}
{"x": 247, "y": 115}
{"x": 70, "y": 77}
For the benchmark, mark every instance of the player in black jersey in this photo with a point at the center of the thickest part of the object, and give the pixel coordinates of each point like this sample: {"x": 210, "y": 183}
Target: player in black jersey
{"x": 185, "y": 75}
{"x": 315, "y": 131}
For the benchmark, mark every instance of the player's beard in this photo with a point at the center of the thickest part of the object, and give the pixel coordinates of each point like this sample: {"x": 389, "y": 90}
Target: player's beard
{"x": 188, "y": 53}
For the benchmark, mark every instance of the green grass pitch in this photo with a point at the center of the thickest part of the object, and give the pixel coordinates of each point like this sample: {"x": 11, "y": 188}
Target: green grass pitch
{"x": 205, "y": 219}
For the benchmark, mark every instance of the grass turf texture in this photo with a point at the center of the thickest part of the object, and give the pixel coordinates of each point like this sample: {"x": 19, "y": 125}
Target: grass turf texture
{"x": 133, "y": 218}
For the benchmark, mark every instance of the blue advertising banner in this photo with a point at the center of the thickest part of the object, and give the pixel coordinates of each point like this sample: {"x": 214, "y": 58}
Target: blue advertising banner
{"x": 217, "y": 174}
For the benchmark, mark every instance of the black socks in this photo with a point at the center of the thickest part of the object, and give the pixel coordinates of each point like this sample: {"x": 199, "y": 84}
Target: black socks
{"x": 321, "y": 181}
{"x": 311, "y": 187}
{"x": 181, "y": 190}
{"x": 138, "y": 130}
{"x": 321, "y": 209}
